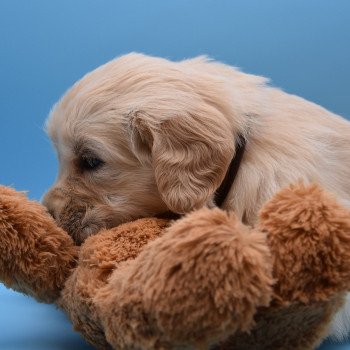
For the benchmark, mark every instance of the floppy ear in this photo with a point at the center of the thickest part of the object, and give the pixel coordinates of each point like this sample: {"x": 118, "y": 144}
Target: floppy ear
{"x": 190, "y": 155}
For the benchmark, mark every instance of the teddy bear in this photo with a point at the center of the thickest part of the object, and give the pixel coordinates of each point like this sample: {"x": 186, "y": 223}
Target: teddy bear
{"x": 204, "y": 281}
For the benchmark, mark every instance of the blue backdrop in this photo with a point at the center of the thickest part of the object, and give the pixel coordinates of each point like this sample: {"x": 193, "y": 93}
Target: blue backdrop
{"x": 303, "y": 46}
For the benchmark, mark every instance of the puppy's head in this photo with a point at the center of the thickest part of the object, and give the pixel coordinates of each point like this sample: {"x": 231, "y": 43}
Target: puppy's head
{"x": 140, "y": 136}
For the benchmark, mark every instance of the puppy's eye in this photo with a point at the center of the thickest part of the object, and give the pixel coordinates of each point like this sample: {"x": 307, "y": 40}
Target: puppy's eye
{"x": 90, "y": 162}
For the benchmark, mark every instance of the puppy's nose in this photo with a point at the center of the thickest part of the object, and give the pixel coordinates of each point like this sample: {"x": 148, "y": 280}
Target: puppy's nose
{"x": 48, "y": 204}
{"x": 51, "y": 212}
{"x": 54, "y": 202}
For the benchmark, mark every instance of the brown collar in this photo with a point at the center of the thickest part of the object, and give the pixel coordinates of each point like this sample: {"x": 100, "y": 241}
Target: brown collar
{"x": 222, "y": 192}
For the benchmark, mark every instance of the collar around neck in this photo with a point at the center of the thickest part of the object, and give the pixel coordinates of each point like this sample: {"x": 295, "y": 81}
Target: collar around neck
{"x": 222, "y": 192}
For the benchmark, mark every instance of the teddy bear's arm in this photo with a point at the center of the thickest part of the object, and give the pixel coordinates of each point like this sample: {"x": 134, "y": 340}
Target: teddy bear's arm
{"x": 36, "y": 256}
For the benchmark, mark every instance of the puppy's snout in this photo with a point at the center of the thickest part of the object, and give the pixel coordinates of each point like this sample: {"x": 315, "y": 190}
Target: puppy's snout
{"x": 54, "y": 201}
{"x": 51, "y": 211}
{"x": 70, "y": 213}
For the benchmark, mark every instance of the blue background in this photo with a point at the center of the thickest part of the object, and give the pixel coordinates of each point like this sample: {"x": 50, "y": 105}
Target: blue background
{"x": 303, "y": 46}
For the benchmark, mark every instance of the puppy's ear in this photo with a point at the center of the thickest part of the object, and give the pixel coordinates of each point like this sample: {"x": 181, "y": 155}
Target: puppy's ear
{"x": 189, "y": 154}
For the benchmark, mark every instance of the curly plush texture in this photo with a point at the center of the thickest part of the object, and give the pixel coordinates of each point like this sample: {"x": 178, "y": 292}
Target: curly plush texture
{"x": 99, "y": 257}
{"x": 307, "y": 230}
{"x": 203, "y": 281}
{"x": 36, "y": 256}
{"x": 207, "y": 270}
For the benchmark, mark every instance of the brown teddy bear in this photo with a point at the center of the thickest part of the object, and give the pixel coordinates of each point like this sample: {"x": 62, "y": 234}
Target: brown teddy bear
{"x": 203, "y": 281}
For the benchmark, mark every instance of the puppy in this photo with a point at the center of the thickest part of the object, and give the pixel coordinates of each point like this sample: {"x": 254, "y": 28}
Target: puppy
{"x": 141, "y": 135}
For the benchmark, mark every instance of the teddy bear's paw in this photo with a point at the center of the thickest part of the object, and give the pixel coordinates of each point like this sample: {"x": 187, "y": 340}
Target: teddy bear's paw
{"x": 309, "y": 237}
{"x": 36, "y": 256}
{"x": 198, "y": 283}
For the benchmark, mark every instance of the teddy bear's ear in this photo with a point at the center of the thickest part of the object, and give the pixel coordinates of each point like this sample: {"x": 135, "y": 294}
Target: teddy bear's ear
{"x": 189, "y": 153}
{"x": 309, "y": 237}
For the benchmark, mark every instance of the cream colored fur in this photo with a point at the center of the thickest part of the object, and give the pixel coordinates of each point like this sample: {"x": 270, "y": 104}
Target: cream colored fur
{"x": 166, "y": 133}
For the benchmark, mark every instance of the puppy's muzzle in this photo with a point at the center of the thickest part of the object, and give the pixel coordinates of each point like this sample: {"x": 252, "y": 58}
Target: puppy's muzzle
{"x": 54, "y": 201}
{"x": 71, "y": 214}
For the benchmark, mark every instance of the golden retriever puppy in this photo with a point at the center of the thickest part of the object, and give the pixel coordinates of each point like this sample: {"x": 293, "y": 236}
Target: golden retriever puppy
{"x": 142, "y": 135}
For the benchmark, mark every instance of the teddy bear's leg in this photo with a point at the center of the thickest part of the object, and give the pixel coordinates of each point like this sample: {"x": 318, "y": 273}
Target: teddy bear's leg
{"x": 36, "y": 256}
{"x": 309, "y": 237}
{"x": 198, "y": 283}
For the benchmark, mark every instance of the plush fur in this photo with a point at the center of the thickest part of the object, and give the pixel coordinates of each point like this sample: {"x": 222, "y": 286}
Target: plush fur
{"x": 205, "y": 280}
